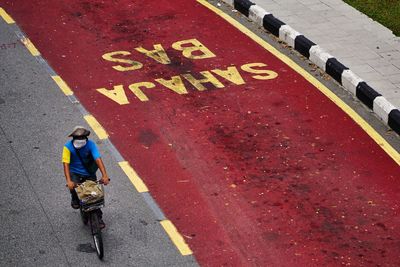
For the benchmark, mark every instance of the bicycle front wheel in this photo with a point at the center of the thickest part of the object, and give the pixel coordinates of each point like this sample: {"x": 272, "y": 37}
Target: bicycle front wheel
{"x": 98, "y": 243}
{"x": 96, "y": 233}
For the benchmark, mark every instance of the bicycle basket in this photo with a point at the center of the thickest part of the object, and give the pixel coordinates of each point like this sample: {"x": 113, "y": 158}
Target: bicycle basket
{"x": 92, "y": 206}
{"x": 90, "y": 192}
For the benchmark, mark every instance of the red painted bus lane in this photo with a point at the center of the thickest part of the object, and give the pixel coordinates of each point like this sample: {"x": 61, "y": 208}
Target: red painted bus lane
{"x": 249, "y": 160}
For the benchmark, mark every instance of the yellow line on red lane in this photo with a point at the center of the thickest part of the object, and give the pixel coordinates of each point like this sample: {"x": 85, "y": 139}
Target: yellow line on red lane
{"x": 176, "y": 238}
{"x": 133, "y": 176}
{"x": 97, "y": 128}
{"x": 29, "y": 45}
{"x": 7, "y": 18}
{"x": 63, "y": 86}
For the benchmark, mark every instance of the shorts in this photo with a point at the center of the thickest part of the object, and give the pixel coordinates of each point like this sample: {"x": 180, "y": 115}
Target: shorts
{"x": 78, "y": 179}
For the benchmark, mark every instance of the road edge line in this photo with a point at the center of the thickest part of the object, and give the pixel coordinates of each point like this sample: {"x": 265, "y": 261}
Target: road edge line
{"x": 133, "y": 176}
{"x": 176, "y": 237}
{"x": 96, "y": 126}
{"x": 30, "y": 46}
{"x": 6, "y": 17}
{"x": 62, "y": 85}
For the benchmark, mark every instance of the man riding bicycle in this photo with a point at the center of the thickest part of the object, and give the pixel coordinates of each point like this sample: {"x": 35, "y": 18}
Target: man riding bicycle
{"x": 81, "y": 158}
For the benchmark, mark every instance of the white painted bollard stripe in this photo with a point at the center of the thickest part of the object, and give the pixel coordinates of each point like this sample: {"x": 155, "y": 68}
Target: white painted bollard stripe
{"x": 382, "y": 108}
{"x": 288, "y": 34}
{"x": 257, "y": 14}
{"x": 350, "y": 81}
{"x": 319, "y": 56}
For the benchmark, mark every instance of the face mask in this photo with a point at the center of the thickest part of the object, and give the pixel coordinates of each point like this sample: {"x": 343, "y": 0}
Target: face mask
{"x": 79, "y": 143}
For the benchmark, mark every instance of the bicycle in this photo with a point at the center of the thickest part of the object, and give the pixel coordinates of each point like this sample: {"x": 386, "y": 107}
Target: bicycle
{"x": 90, "y": 214}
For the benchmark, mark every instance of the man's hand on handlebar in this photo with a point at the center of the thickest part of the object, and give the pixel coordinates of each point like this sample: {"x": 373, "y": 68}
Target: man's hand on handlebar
{"x": 105, "y": 180}
{"x": 71, "y": 185}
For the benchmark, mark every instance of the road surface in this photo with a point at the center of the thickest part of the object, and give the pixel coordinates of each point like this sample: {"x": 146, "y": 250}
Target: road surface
{"x": 250, "y": 157}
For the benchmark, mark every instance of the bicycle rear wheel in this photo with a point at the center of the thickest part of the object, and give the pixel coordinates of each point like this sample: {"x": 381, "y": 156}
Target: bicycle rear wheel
{"x": 96, "y": 233}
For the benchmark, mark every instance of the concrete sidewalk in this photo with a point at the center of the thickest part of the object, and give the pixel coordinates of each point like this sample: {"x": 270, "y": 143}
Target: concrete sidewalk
{"x": 366, "y": 47}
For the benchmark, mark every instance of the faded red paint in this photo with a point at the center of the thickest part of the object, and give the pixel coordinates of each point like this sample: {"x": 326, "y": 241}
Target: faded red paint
{"x": 267, "y": 173}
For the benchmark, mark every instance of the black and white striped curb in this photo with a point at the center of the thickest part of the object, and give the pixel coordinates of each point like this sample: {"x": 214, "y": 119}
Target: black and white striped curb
{"x": 343, "y": 75}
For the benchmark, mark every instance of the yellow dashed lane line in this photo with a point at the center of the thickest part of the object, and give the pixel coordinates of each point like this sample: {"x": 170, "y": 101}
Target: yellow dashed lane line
{"x": 168, "y": 226}
{"x": 322, "y": 88}
{"x": 176, "y": 238}
{"x": 28, "y": 44}
{"x": 97, "y": 128}
{"x": 63, "y": 86}
{"x": 133, "y": 176}
{"x": 7, "y": 18}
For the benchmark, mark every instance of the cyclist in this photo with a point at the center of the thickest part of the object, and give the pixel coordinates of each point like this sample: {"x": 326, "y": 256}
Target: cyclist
{"x": 78, "y": 155}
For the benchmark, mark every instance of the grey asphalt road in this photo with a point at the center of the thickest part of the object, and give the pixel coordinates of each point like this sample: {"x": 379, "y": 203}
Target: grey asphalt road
{"x": 38, "y": 226}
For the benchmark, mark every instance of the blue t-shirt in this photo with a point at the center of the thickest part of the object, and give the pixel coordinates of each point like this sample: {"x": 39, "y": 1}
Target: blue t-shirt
{"x": 75, "y": 164}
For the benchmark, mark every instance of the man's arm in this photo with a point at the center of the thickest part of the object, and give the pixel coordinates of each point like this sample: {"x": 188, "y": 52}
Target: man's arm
{"x": 96, "y": 155}
{"x": 103, "y": 171}
{"x": 66, "y": 159}
{"x": 70, "y": 184}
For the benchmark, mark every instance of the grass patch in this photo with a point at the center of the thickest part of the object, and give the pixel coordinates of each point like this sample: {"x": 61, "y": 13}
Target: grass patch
{"x": 386, "y": 12}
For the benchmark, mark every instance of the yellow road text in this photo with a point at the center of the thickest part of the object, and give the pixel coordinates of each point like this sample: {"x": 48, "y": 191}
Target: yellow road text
{"x": 178, "y": 84}
{"x": 191, "y": 49}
